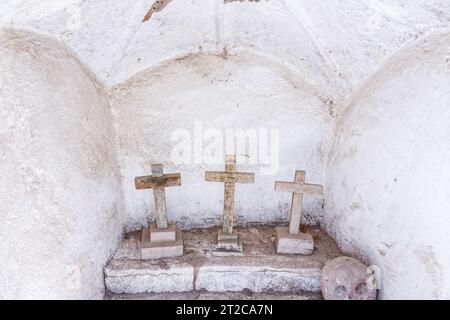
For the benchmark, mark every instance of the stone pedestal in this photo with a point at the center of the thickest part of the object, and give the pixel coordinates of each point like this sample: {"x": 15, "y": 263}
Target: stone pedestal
{"x": 227, "y": 244}
{"x": 286, "y": 243}
{"x": 163, "y": 235}
{"x": 162, "y": 243}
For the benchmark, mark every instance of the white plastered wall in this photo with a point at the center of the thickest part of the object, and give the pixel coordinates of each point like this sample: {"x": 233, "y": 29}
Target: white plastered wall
{"x": 388, "y": 198}
{"x": 60, "y": 191}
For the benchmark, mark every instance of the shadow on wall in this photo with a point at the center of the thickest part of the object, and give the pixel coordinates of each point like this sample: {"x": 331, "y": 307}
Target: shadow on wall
{"x": 59, "y": 189}
{"x": 389, "y": 172}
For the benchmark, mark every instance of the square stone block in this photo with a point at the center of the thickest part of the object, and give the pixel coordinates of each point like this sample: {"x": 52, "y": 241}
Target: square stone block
{"x": 159, "y": 250}
{"x": 137, "y": 276}
{"x": 227, "y": 237}
{"x": 227, "y": 245}
{"x": 163, "y": 235}
{"x": 286, "y": 243}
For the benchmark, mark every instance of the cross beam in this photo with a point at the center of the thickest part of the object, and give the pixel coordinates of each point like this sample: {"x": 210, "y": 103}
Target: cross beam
{"x": 158, "y": 181}
{"x": 297, "y": 188}
{"x": 230, "y": 177}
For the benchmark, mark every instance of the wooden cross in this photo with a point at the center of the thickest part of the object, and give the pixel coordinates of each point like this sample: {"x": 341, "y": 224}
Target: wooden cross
{"x": 230, "y": 177}
{"x": 158, "y": 181}
{"x": 298, "y": 188}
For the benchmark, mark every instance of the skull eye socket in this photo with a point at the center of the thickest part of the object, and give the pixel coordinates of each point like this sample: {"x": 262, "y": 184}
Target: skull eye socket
{"x": 361, "y": 289}
{"x": 340, "y": 293}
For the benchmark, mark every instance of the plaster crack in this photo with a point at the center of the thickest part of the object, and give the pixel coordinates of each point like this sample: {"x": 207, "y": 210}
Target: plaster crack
{"x": 334, "y": 73}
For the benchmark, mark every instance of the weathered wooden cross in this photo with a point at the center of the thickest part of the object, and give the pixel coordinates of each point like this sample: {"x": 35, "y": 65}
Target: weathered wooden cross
{"x": 230, "y": 177}
{"x": 158, "y": 181}
{"x": 298, "y": 188}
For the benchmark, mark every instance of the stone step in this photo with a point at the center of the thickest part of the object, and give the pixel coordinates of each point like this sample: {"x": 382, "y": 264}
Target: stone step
{"x": 217, "y": 296}
{"x": 259, "y": 270}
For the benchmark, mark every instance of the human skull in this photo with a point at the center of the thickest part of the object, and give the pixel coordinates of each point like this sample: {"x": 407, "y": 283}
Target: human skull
{"x": 346, "y": 278}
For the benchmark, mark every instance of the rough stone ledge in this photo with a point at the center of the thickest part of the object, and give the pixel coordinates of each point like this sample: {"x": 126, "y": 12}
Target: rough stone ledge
{"x": 149, "y": 276}
{"x": 258, "y": 270}
{"x": 220, "y": 296}
{"x": 258, "y": 275}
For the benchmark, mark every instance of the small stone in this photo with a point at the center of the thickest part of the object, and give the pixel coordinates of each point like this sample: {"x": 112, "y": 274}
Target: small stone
{"x": 346, "y": 278}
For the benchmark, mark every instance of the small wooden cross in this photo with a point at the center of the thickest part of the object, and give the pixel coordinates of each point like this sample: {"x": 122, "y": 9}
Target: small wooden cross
{"x": 230, "y": 177}
{"x": 158, "y": 181}
{"x": 298, "y": 188}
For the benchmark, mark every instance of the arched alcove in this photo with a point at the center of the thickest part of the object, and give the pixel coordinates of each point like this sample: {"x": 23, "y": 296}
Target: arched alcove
{"x": 72, "y": 141}
{"x": 213, "y": 94}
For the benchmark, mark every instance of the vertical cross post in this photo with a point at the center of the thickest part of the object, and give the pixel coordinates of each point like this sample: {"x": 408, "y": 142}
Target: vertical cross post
{"x": 228, "y": 205}
{"x": 230, "y": 177}
{"x": 159, "y": 194}
{"x": 296, "y": 209}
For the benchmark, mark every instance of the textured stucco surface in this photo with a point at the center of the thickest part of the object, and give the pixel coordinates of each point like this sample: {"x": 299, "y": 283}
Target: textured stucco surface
{"x": 236, "y": 93}
{"x": 388, "y": 199}
{"x": 343, "y": 64}
{"x": 337, "y": 44}
{"x": 59, "y": 186}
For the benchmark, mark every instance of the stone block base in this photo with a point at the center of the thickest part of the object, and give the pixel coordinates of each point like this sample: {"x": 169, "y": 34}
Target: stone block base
{"x": 258, "y": 274}
{"x": 286, "y": 243}
{"x": 135, "y": 276}
{"x": 227, "y": 245}
{"x": 163, "y": 235}
{"x": 226, "y": 237}
{"x": 159, "y": 250}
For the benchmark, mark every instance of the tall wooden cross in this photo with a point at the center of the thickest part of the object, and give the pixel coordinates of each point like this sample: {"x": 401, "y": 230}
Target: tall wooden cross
{"x": 158, "y": 181}
{"x": 230, "y": 177}
{"x": 298, "y": 188}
